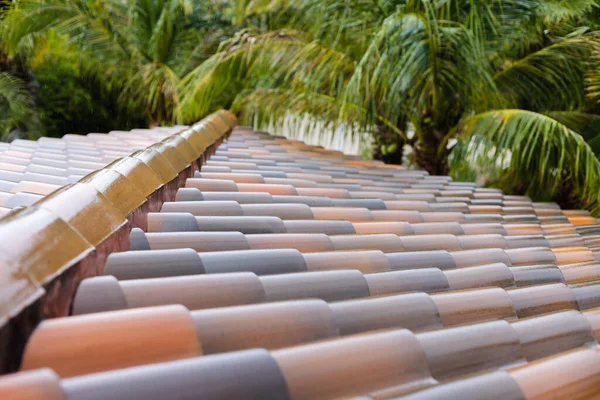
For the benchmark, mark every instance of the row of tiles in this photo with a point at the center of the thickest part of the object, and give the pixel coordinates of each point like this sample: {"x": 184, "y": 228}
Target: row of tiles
{"x": 527, "y": 290}
{"x": 449, "y": 232}
{"x": 381, "y": 364}
{"x": 525, "y": 266}
{"x": 412, "y": 211}
{"x": 402, "y": 359}
{"x": 83, "y": 215}
{"x": 419, "y": 201}
{"x": 458, "y": 211}
{"x": 30, "y": 170}
{"x": 209, "y": 184}
{"x": 482, "y": 248}
{"x": 367, "y": 237}
{"x": 477, "y": 198}
{"x": 291, "y": 211}
{"x": 258, "y": 374}
{"x": 261, "y": 224}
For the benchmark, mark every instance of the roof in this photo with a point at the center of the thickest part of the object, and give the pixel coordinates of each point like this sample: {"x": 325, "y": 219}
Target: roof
{"x": 265, "y": 268}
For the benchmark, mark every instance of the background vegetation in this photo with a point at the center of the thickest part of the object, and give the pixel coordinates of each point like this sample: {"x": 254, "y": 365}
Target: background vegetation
{"x": 503, "y": 91}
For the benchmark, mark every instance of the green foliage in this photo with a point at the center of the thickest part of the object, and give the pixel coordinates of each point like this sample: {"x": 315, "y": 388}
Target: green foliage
{"x": 139, "y": 50}
{"x": 544, "y": 153}
{"x": 511, "y": 80}
{"x": 16, "y": 108}
{"x": 513, "y": 85}
{"x": 68, "y": 102}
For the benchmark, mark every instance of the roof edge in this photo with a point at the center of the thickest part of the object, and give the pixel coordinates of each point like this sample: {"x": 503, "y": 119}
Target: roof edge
{"x": 46, "y": 249}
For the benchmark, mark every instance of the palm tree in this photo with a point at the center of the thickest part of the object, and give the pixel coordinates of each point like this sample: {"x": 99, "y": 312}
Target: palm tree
{"x": 502, "y": 79}
{"x": 139, "y": 48}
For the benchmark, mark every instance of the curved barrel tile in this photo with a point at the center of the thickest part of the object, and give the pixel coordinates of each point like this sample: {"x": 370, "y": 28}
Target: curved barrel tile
{"x": 328, "y": 227}
{"x": 97, "y": 295}
{"x": 240, "y": 197}
{"x": 86, "y": 210}
{"x": 273, "y": 189}
{"x": 495, "y": 385}
{"x": 415, "y": 280}
{"x": 39, "y": 384}
{"x": 482, "y": 241}
{"x": 172, "y": 222}
{"x": 31, "y": 248}
{"x": 397, "y": 216}
{"x": 153, "y": 264}
{"x": 365, "y": 261}
{"x": 396, "y": 228}
{"x": 472, "y": 258}
{"x": 463, "y": 350}
{"x": 431, "y": 242}
{"x": 554, "y": 333}
{"x": 311, "y": 201}
{"x": 246, "y": 225}
{"x": 195, "y": 292}
{"x": 572, "y": 255}
{"x": 529, "y": 275}
{"x": 117, "y": 189}
{"x": 211, "y": 185}
{"x": 519, "y": 241}
{"x": 86, "y": 344}
{"x": 542, "y": 299}
{"x": 442, "y": 216}
{"x": 304, "y": 242}
{"x": 386, "y": 243}
{"x": 581, "y": 272}
{"x": 466, "y": 306}
{"x": 352, "y": 214}
{"x": 237, "y": 178}
{"x": 496, "y": 274}
{"x": 199, "y": 241}
{"x": 586, "y": 294}
{"x": 249, "y": 374}
{"x": 139, "y": 174}
{"x": 401, "y": 364}
{"x": 531, "y": 256}
{"x": 574, "y": 375}
{"x": 269, "y": 326}
{"x": 204, "y": 208}
{"x": 484, "y": 229}
{"x": 414, "y": 311}
{"x": 432, "y": 228}
{"x": 325, "y": 285}
{"x": 280, "y": 210}
{"x": 260, "y": 262}
{"x": 421, "y": 259}
{"x": 158, "y": 163}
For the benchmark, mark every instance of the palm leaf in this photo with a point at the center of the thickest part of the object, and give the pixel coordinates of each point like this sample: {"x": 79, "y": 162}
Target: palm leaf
{"x": 586, "y": 124}
{"x": 16, "y": 108}
{"x": 543, "y": 152}
{"x": 550, "y": 78}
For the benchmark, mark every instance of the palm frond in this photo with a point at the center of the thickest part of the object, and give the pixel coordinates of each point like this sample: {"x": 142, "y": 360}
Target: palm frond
{"x": 423, "y": 66}
{"x": 16, "y": 108}
{"x": 541, "y": 151}
{"x": 556, "y": 10}
{"x": 269, "y": 60}
{"x": 550, "y": 78}
{"x": 586, "y": 124}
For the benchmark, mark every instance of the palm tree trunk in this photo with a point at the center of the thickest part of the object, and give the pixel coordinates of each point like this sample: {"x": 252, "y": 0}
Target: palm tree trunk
{"x": 426, "y": 155}
{"x": 387, "y": 145}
